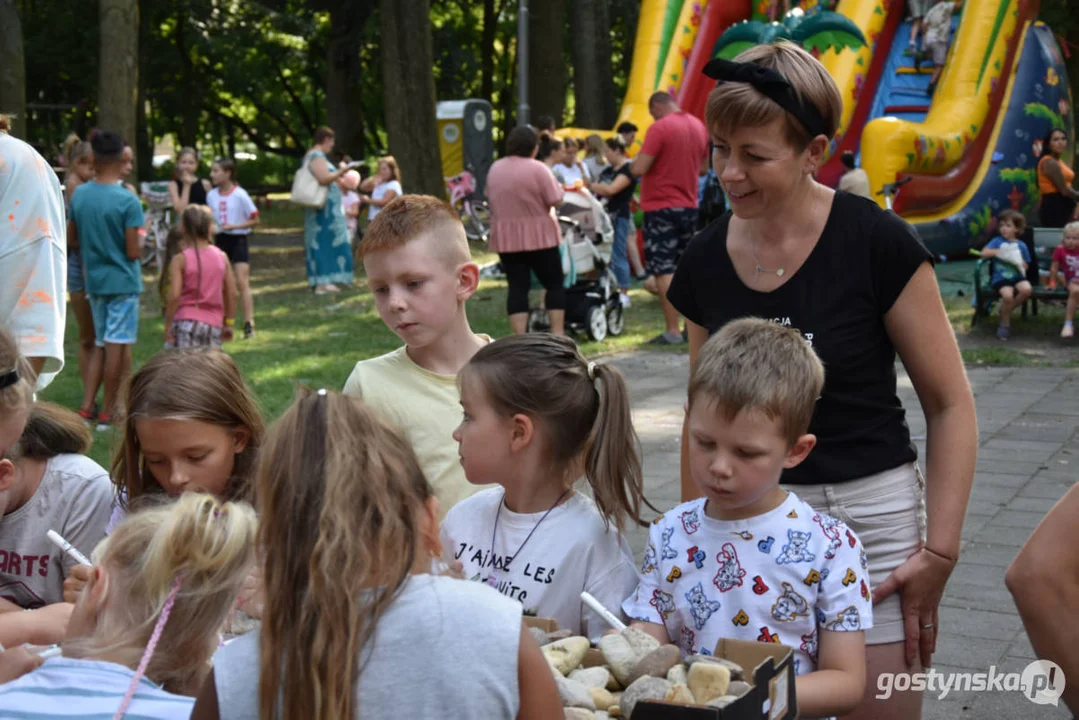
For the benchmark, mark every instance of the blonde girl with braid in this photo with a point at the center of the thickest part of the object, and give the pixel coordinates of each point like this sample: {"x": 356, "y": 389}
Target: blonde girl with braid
{"x": 202, "y": 289}
{"x": 147, "y": 623}
{"x": 537, "y": 417}
{"x": 348, "y": 536}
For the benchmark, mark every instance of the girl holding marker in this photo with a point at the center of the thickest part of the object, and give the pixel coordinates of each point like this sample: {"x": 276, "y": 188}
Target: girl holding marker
{"x": 47, "y": 483}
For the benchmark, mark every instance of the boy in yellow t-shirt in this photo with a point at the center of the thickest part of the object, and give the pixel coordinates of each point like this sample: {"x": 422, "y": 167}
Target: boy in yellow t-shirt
{"x": 420, "y": 272}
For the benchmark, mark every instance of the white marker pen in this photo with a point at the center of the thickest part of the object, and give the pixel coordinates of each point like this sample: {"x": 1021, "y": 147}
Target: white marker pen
{"x": 603, "y": 612}
{"x": 67, "y": 547}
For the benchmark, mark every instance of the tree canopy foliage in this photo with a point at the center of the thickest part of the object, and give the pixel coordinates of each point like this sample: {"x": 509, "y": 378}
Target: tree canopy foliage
{"x": 262, "y": 76}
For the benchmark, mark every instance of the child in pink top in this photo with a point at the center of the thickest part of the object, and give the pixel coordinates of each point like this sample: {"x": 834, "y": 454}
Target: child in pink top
{"x": 1066, "y": 260}
{"x": 202, "y": 289}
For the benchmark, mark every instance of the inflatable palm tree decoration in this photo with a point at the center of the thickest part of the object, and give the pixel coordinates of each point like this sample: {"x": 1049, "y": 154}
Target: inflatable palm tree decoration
{"x": 816, "y": 33}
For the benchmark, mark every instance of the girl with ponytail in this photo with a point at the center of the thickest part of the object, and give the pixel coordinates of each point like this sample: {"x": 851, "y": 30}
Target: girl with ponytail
{"x": 538, "y": 416}
{"x": 202, "y": 290}
{"x": 48, "y": 483}
{"x": 355, "y": 624}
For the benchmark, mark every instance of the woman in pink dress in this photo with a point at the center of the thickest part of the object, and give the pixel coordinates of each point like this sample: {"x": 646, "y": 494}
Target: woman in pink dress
{"x": 522, "y": 194}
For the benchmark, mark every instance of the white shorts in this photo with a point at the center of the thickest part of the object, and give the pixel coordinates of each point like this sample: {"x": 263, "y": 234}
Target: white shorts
{"x": 887, "y": 513}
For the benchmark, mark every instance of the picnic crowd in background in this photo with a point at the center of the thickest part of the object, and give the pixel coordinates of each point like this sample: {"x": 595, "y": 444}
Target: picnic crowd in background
{"x": 417, "y": 506}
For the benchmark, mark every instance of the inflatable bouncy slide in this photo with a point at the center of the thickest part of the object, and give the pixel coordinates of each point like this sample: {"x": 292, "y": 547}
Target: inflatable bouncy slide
{"x": 970, "y": 150}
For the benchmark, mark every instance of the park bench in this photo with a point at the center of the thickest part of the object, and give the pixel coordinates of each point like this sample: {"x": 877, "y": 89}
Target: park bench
{"x": 1041, "y": 242}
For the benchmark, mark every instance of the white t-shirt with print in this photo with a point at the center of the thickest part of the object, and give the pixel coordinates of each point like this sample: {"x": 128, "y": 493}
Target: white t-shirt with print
{"x": 569, "y": 552}
{"x": 74, "y": 499}
{"x": 232, "y": 208}
{"x": 33, "y": 255}
{"x": 379, "y": 193}
{"x": 777, "y": 577}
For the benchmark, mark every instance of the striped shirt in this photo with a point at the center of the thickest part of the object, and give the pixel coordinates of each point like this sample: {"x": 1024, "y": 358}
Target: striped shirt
{"x": 87, "y": 689}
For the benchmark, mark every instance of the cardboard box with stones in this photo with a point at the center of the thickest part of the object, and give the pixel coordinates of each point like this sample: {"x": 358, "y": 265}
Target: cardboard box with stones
{"x": 740, "y": 681}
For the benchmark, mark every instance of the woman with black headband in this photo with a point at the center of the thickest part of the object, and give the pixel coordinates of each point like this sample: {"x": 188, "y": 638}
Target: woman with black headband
{"x": 859, "y": 285}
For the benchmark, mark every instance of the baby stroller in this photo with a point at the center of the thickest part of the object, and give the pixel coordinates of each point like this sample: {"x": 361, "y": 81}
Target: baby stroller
{"x": 593, "y": 306}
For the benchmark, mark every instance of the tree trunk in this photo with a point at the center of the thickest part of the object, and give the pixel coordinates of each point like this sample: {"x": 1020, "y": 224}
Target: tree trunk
{"x": 12, "y": 68}
{"x": 119, "y": 74}
{"x": 546, "y": 66}
{"x": 408, "y": 83}
{"x": 344, "y": 76}
{"x": 144, "y": 138}
{"x": 586, "y": 70}
{"x": 487, "y": 51}
{"x": 602, "y": 52}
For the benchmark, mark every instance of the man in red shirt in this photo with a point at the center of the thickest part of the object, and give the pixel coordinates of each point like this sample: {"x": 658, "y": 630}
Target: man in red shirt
{"x": 674, "y": 155}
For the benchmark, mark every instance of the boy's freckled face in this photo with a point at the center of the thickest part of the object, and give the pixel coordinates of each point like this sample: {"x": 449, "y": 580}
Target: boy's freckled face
{"x": 736, "y": 463}
{"x": 1071, "y": 240}
{"x": 415, "y": 288}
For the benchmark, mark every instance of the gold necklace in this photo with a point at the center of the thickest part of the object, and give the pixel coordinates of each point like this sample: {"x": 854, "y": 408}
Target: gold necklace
{"x": 779, "y": 271}
{"x": 760, "y": 268}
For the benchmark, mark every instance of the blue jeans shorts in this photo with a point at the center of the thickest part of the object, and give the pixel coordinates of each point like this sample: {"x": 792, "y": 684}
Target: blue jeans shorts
{"x": 116, "y": 319}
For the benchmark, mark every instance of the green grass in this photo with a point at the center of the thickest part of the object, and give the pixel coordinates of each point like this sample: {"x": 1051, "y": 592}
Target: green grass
{"x": 281, "y": 215}
{"x": 315, "y": 340}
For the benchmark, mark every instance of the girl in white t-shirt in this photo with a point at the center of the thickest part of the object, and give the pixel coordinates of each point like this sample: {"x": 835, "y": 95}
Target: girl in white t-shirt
{"x": 235, "y": 215}
{"x": 48, "y": 483}
{"x": 383, "y": 186}
{"x": 537, "y": 415}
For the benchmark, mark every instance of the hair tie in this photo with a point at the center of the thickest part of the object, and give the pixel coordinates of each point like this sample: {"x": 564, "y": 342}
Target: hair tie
{"x": 773, "y": 85}
{"x": 9, "y": 378}
{"x": 154, "y": 638}
{"x": 591, "y": 371}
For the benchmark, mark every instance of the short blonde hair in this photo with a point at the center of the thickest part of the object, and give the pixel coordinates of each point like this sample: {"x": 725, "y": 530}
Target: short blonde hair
{"x": 406, "y": 217}
{"x": 198, "y": 544}
{"x": 754, "y": 364}
{"x": 733, "y": 105}
{"x": 1072, "y": 227}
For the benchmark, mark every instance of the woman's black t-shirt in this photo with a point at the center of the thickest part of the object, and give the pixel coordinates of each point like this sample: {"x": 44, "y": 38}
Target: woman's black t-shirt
{"x": 838, "y": 298}
{"x": 197, "y": 196}
{"x": 618, "y": 204}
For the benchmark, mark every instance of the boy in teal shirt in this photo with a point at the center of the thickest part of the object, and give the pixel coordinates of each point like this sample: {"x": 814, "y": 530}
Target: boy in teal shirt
{"x": 104, "y": 225}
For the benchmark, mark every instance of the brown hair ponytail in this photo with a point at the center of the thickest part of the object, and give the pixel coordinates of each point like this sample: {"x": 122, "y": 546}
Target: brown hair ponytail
{"x": 612, "y": 454}
{"x": 582, "y": 406}
{"x": 51, "y": 430}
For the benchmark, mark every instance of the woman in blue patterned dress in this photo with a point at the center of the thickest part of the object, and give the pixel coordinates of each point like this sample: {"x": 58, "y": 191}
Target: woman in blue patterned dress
{"x": 327, "y": 246}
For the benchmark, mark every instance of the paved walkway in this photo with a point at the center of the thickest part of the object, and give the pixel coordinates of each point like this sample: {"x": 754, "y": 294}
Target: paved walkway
{"x": 1028, "y": 459}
